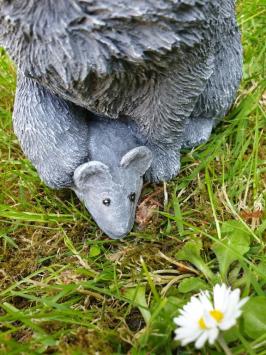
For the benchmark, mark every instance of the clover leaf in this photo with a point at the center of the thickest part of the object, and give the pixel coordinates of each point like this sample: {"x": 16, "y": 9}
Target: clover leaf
{"x": 235, "y": 242}
{"x": 191, "y": 252}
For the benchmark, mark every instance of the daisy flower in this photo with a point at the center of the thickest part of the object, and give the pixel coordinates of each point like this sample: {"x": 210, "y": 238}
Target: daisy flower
{"x": 227, "y": 306}
{"x": 204, "y": 316}
{"x": 195, "y": 324}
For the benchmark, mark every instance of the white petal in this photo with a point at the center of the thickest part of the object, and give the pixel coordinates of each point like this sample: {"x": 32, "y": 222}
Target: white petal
{"x": 213, "y": 335}
{"x": 232, "y": 310}
{"x": 227, "y": 300}
{"x": 187, "y": 339}
{"x": 201, "y": 340}
{"x": 176, "y": 320}
{"x": 190, "y": 313}
{"x": 204, "y": 298}
{"x": 187, "y": 318}
{"x": 243, "y": 301}
{"x": 184, "y": 332}
{"x": 218, "y": 296}
{"x": 196, "y": 302}
{"x": 180, "y": 320}
{"x": 227, "y": 324}
{"x": 234, "y": 296}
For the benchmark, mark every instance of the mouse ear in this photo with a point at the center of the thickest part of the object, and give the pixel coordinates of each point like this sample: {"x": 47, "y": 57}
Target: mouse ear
{"x": 139, "y": 159}
{"x": 91, "y": 174}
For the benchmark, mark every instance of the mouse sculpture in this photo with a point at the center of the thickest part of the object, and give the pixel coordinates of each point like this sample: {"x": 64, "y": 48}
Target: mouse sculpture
{"x": 109, "y": 91}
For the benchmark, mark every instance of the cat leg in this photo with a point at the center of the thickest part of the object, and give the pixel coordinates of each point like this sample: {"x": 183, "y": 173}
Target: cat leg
{"x": 219, "y": 94}
{"x": 53, "y": 133}
{"x": 197, "y": 131}
{"x": 163, "y": 115}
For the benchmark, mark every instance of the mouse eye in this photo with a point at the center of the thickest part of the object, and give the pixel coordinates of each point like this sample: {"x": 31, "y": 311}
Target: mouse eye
{"x": 107, "y": 201}
{"x": 132, "y": 196}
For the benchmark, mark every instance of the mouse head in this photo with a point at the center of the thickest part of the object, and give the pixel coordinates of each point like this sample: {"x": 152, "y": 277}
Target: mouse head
{"x": 111, "y": 193}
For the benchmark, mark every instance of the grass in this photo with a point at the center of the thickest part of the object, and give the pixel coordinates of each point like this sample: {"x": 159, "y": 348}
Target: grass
{"x": 67, "y": 289}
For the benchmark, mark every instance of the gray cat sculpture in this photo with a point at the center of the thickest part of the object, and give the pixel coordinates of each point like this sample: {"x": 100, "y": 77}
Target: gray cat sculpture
{"x": 109, "y": 91}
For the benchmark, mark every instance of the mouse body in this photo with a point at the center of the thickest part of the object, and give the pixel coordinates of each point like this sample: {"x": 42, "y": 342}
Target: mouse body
{"x": 110, "y": 183}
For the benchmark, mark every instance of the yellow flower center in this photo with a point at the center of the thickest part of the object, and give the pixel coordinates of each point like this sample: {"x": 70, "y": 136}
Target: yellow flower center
{"x": 217, "y": 315}
{"x": 202, "y": 324}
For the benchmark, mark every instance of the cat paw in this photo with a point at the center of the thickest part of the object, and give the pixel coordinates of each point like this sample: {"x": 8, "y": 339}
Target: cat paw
{"x": 165, "y": 164}
{"x": 197, "y": 131}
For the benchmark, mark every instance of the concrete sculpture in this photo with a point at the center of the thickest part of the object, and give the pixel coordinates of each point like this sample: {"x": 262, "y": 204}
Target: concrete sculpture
{"x": 109, "y": 91}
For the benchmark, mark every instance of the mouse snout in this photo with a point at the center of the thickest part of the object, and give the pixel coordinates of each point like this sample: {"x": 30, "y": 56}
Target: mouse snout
{"x": 119, "y": 231}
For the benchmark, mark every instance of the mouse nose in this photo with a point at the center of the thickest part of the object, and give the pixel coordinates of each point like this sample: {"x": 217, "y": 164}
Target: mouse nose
{"x": 119, "y": 232}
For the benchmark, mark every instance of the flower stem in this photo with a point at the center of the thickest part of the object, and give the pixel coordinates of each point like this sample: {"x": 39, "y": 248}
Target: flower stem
{"x": 224, "y": 346}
